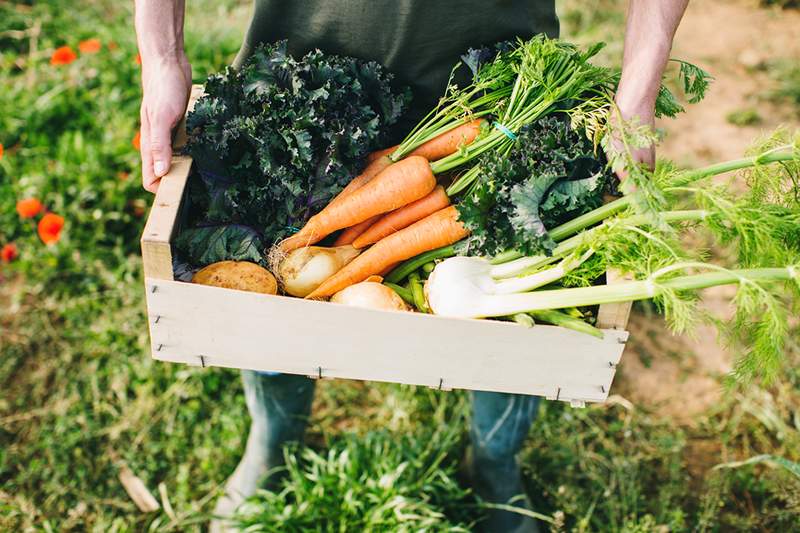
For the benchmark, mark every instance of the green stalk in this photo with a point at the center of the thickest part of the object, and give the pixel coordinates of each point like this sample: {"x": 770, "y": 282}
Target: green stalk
{"x": 591, "y": 218}
{"x": 524, "y": 320}
{"x": 521, "y": 264}
{"x": 558, "y": 318}
{"x": 402, "y": 292}
{"x": 509, "y": 304}
{"x": 417, "y": 293}
{"x": 407, "y": 267}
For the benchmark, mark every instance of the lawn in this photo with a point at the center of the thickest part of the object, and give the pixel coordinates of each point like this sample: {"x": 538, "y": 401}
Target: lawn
{"x": 83, "y": 401}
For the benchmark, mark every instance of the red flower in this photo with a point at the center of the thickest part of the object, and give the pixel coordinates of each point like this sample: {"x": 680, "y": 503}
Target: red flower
{"x": 29, "y": 207}
{"x": 137, "y": 140}
{"x": 138, "y": 59}
{"x": 63, "y": 56}
{"x": 1, "y": 150}
{"x": 90, "y": 46}
{"x": 8, "y": 252}
{"x": 50, "y": 228}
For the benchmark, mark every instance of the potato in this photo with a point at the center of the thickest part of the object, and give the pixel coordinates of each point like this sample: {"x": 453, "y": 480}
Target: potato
{"x": 239, "y": 275}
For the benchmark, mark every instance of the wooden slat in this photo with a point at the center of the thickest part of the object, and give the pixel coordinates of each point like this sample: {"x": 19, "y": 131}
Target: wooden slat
{"x": 220, "y": 327}
{"x": 162, "y": 221}
{"x": 616, "y": 315}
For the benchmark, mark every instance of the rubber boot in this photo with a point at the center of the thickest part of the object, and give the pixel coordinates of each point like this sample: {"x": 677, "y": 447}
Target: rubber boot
{"x": 279, "y": 406}
{"x": 500, "y": 423}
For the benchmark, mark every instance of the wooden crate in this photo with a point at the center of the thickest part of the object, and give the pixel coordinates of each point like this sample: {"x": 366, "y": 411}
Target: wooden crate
{"x": 210, "y": 326}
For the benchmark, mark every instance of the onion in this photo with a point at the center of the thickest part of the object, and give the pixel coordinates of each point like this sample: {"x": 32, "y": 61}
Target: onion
{"x": 371, "y": 295}
{"x": 304, "y": 269}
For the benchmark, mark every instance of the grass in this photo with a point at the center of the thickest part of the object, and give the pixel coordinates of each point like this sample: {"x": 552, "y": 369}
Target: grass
{"x": 82, "y": 398}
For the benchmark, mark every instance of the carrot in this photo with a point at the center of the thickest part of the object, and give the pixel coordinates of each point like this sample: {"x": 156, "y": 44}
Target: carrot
{"x": 372, "y": 169}
{"x": 397, "y": 185}
{"x": 377, "y": 154}
{"x": 403, "y": 217}
{"x": 449, "y": 141}
{"x": 353, "y": 232}
{"x": 388, "y": 269}
{"x": 434, "y": 231}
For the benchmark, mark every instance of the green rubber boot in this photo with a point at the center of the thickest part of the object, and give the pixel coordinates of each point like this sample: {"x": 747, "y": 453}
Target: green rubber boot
{"x": 279, "y": 406}
{"x": 500, "y": 423}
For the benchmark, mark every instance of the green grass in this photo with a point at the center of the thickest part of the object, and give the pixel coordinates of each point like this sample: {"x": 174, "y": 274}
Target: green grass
{"x": 82, "y": 397}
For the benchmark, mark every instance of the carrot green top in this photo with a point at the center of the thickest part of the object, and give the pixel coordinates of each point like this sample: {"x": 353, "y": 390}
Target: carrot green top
{"x": 418, "y": 40}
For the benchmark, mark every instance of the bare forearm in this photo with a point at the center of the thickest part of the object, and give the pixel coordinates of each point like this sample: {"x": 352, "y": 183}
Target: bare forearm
{"x": 159, "y": 30}
{"x": 650, "y": 29}
{"x": 166, "y": 81}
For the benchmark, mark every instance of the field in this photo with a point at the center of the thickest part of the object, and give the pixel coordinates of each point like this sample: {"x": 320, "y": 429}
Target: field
{"x": 673, "y": 449}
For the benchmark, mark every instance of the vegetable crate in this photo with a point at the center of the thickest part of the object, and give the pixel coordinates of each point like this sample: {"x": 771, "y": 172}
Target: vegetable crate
{"x": 210, "y": 326}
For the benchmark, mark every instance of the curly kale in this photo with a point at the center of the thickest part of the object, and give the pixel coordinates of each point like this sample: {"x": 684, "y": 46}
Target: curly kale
{"x": 551, "y": 174}
{"x": 275, "y": 140}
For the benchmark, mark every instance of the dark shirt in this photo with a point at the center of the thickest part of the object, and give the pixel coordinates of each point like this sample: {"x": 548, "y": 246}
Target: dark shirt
{"x": 418, "y": 40}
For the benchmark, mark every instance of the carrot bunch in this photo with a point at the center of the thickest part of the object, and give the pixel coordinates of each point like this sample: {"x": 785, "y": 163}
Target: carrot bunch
{"x": 394, "y": 208}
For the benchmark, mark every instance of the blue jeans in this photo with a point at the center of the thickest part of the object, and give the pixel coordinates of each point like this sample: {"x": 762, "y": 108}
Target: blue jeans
{"x": 499, "y": 424}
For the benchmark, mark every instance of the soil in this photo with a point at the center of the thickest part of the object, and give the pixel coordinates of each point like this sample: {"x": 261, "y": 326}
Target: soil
{"x": 736, "y": 41}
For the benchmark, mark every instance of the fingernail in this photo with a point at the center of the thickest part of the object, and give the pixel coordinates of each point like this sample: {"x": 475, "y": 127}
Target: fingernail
{"x": 160, "y": 168}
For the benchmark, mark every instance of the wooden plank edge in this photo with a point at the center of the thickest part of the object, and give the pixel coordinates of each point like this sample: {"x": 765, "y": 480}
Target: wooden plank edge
{"x": 162, "y": 221}
{"x": 614, "y": 315}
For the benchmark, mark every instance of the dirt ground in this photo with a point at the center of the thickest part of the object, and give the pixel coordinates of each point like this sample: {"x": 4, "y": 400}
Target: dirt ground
{"x": 736, "y": 41}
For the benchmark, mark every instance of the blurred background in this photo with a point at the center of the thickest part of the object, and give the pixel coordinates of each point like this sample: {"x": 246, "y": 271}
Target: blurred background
{"x": 82, "y": 404}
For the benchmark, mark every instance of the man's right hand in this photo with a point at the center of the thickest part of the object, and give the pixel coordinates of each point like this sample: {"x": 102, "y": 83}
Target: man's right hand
{"x": 166, "y": 83}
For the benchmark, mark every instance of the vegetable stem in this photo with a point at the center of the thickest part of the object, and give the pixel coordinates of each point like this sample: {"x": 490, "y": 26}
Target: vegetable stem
{"x": 559, "y": 318}
{"x": 402, "y": 292}
{"x": 417, "y": 293}
{"x": 407, "y": 267}
{"x": 509, "y": 304}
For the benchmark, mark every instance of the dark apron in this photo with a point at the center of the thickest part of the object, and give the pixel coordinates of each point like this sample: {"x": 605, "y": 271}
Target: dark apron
{"x": 418, "y": 40}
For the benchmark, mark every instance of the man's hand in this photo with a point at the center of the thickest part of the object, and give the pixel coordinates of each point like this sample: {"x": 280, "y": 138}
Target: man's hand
{"x": 166, "y": 82}
{"x": 166, "y": 86}
{"x": 650, "y": 29}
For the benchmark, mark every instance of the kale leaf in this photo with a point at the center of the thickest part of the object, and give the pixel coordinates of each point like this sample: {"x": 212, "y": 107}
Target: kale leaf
{"x": 551, "y": 174}
{"x": 275, "y": 140}
{"x": 209, "y": 244}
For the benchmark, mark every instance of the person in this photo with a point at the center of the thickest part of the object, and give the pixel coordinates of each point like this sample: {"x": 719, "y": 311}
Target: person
{"x": 419, "y": 41}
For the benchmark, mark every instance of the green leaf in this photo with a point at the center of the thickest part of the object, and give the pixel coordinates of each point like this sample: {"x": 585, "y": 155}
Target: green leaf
{"x": 206, "y": 245}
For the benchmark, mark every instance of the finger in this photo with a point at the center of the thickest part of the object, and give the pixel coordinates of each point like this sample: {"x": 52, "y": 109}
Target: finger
{"x": 149, "y": 180}
{"x": 160, "y": 143}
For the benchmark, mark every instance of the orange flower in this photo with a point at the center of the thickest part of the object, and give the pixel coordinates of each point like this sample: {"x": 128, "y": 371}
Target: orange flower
{"x": 63, "y": 56}
{"x": 90, "y": 46}
{"x": 50, "y": 228}
{"x": 1, "y": 150}
{"x": 9, "y": 252}
{"x": 138, "y": 59}
{"x": 29, "y": 207}
{"x": 137, "y": 140}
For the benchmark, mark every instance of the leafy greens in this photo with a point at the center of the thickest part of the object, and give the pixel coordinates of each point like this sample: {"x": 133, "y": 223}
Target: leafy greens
{"x": 277, "y": 139}
{"x": 551, "y": 174}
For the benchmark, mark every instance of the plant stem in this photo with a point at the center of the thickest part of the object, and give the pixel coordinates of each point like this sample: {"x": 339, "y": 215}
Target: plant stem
{"x": 558, "y": 318}
{"x": 516, "y": 266}
{"x": 402, "y": 292}
{"x": 591, "y": 218}
{"x": 409, "y": 266}
{"x": 509, "y": 304}
{"x": 416, "y": 293}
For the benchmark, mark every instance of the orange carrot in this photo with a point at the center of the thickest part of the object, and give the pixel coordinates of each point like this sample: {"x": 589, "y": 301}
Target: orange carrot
{"x": 388, "y": 269}
{"x": 434, "y": 231}
{"x": 403, "y": 217}
{"x": 372, "y": 169}
{"x": 397, "y": 185}
{"x": 449, "y": 141}
{"x": 377, "y": 154}
{"x": 353, "y": 232}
